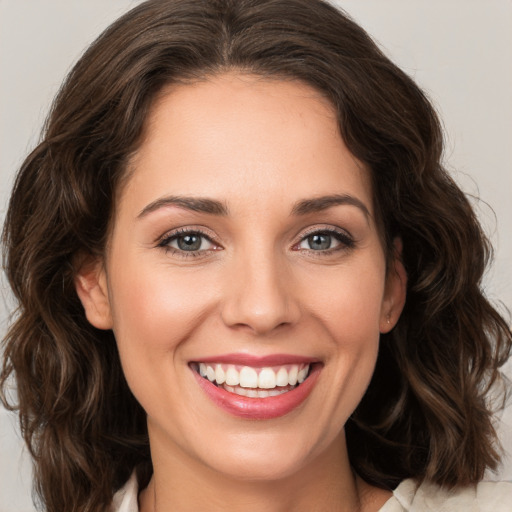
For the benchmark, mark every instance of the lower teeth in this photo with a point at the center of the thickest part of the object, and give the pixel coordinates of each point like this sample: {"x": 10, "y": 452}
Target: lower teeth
{"x": 256, "y": 393}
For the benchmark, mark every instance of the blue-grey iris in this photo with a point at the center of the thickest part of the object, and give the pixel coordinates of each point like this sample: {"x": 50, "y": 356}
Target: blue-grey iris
{"x": 319, "y": 242}
{"x": 189, "y": 242}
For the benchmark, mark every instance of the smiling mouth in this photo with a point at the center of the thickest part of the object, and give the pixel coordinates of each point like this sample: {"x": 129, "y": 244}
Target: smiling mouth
{"x": 254, "y": 382}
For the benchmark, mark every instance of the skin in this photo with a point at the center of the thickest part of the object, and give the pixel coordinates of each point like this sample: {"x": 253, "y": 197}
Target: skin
{"x": 256, "y": 286}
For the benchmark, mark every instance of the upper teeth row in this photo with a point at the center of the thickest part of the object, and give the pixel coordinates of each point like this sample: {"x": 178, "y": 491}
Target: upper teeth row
{"x": 248, "y": 377}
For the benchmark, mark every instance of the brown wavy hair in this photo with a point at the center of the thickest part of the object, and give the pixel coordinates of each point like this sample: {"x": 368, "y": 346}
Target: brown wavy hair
{"x": 425, "y": 414}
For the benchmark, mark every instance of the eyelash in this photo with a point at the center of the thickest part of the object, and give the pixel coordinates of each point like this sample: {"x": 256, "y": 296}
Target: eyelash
{"x": 346, "y": 242}
{"x": 170, "y": 237}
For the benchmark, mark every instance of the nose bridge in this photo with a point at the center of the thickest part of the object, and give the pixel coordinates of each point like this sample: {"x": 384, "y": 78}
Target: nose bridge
{"x": 259, "y": 294}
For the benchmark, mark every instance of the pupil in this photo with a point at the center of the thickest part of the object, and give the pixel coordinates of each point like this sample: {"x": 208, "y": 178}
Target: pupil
{"x": 189, "y": 242}
{"x": 319, "y": 242}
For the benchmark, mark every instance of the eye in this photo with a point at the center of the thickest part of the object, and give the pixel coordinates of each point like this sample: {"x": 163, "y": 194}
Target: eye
{"x": 317, "y": 242}
{"x": 326, "y": 240}
{"x": 188, "y": 242}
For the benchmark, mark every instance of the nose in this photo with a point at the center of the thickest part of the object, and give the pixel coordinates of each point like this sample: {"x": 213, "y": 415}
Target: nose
{"x": 260, "y": 295}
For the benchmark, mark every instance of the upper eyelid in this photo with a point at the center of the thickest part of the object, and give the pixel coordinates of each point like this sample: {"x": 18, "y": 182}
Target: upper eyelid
{"x": 173, "y": 233}
{"x": 324, "y": 229}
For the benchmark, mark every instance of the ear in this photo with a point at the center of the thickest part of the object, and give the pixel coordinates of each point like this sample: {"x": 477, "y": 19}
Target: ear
{"x": 91, "y": 287}
{"x": 395, "y": 291}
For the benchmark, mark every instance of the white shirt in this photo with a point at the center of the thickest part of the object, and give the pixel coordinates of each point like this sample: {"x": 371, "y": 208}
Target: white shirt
{"x": 407, "y": 497}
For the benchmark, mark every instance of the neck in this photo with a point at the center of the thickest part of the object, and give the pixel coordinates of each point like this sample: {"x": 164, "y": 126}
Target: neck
{"x": 326, "y": 483}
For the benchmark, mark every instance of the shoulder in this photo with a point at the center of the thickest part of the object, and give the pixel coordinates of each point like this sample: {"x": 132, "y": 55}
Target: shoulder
{"x": 125, "y": 500}
{"x": 428, "y": 497}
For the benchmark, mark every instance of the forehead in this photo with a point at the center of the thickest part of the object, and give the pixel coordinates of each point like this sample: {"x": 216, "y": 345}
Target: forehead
{"x": 244, "y": 139}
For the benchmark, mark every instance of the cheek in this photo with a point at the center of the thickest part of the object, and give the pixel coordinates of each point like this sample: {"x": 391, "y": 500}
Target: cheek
{"x": 349, "y": 310}
{"x": 348, "y": 300}
{"x": 154, "y": 311}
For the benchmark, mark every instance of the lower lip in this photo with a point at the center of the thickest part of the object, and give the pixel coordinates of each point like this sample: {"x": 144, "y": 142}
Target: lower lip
{"x": 259, "y": 408}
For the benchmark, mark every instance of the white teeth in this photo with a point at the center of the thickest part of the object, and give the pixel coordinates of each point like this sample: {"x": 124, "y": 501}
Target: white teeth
{"x": 301, "y": 377}
{"x": 232, "y": 376}
{"x": 281, "y": 377}
{"x": 240, "y": 391}
{"x": 248, "y": 377}
{"x": 254, "y": 393}
{"x": 292, "y": 375}
{"x": 210, "y": 373}
{"x": 267, "y": 378}
{"x": 220, "y": 375}
{"x": 254, "y": 379}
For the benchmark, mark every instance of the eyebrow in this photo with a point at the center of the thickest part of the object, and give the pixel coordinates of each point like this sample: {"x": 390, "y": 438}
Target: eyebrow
{"x": 214, "y": 207}
{"x": 319, "y": 204}
{"x": 196, "y": 204}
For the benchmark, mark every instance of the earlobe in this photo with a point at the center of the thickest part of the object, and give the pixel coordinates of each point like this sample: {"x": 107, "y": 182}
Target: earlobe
{"x": 91, "y": 287}
{"x": 396, "y": 290}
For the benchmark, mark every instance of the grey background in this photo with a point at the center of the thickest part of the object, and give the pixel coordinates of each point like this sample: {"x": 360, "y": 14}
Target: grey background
{"x": 459, "y": 51}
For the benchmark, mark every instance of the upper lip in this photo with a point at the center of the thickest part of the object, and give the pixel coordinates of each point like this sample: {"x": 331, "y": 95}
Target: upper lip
{"x": 257, "y": 361}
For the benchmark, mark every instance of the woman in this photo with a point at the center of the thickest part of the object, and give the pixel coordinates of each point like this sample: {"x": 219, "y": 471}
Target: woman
{"x": 256, "y": 286}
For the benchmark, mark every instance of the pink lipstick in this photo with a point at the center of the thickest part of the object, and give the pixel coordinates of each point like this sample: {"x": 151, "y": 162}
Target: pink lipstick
{"x": 282, "y": 397}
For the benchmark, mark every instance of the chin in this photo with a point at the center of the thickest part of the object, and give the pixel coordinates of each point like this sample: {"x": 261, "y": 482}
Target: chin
{"x": 265, "y": 456}
{"x": 253, "y": 467}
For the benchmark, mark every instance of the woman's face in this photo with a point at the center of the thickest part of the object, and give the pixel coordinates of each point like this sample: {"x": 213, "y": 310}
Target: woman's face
{"x": 245, "y": 246}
